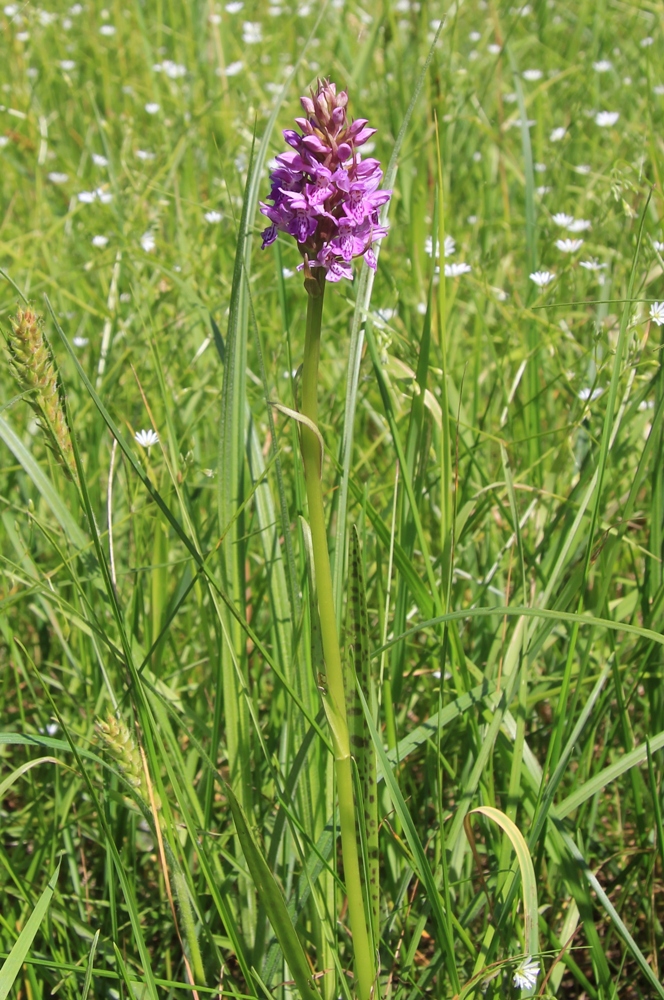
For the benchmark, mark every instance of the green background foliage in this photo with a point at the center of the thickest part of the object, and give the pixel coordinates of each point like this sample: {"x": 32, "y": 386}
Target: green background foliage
{"x": 497, "y": 444}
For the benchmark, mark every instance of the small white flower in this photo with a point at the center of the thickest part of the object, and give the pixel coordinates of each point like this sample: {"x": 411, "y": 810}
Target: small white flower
{"x": 471, "y": 220}
{"x": 557, "y": 134}
{"x": 148, "y": 242}
{"x": 287, "y": 272}
{"x": 589, "y": 395}
{"x": 232, "y": 69}
{"x": 67, "y": 65}
{"x": 583, "y": 168}
{"x": 591, "y": 265}
{"x": 449, "y": 246}
{"x": 152, "y": 108}
{"x": 46, "y": 17}
{"x": 172, "y": 70}
{"x": 539, "y": 168}
{"x": 234, "y": 7}
{"x": 99, "y": 160}
{"x": 99, "y": 241}
{"x": 658, "y": 246}
{"x": 456, "y": 270}
{"x": 11, "y": 10}
{"x": 51, "y": 728}
{"x": 532, "y": 75}
{"x": 252, "y": 32}
{"x": 57, "y": 178}
{"x": 422, "y": 308}
{"x": 79, "y": 341}
{"x": 146, "y": 439}
{"x": 647, "y": 42}
{"x": 579, "y": 225}
{"x": 605, "y": 119}
{"x": 474, "y": 36}
{"x": 542, "y": 278}
{"x": 87, "y": 197}
{"x": 525, "y": 976}
{"x": 569, "y": 246}
{"x": 562, "y": 219}
{"x": 510, "y": 98}
{"x": 657, "y": 313}
{"x": 76, "y": 9}
{"x": 23, "y": 36}
{"x": 4, "y": 141}
{"x": 105, "y": 197}
{"x": 107, "y": 29}
{"x": 603, "y": 66}
{"x": 125, "y": 297}
{"x": 144, "y": 154}
{"x": 543, "y": 189}
{"x": 67, "y": 23}
{"x": 213, "y": 217}
{"x": 659, "y": 90}
{"x": 494, "y": 49}
{"x": 214, "y": 18}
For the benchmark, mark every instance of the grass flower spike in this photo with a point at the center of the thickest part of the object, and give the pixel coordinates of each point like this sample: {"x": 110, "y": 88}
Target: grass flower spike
{"x": 33, "y": 366}
{"x": 323, "y": 193}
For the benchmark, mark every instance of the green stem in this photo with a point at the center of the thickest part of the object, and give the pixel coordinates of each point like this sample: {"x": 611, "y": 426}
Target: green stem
{"x": 335, "y": 699}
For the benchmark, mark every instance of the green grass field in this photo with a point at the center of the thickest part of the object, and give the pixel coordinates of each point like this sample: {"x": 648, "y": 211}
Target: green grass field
{"x": 169, "y": 814}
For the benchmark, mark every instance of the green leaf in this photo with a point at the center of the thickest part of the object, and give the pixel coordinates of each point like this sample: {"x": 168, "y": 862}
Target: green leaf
{"x": 272, "y": 899}
{"x": 18, "y": 954}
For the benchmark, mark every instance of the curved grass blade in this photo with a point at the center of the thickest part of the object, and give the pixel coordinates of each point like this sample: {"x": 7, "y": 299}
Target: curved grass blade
{"x": 272, "y": 898}
{"x": 12, "y": 964}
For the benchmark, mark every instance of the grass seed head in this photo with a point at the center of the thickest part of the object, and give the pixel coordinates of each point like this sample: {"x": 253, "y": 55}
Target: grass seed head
{"x": 33, "y": 366}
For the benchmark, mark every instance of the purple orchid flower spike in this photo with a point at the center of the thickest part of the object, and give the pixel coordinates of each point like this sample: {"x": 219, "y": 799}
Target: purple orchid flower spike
{"x": 323, "y": 192}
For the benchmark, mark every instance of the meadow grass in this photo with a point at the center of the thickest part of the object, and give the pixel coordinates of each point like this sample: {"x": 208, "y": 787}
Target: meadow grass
{"x": 493, "y": 486}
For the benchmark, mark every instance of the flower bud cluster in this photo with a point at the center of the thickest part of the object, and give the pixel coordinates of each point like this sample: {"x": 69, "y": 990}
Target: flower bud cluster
{"x": 323, "y": 192}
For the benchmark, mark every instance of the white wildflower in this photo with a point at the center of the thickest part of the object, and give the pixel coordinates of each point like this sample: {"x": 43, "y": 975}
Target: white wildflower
{"x": 105, "y": 197}
{"x": 99, "y": 160}
{"x": 579, "y": 225}
{"x": 532, "y": 75}
{"x": 79, "y": 341}
{"x": 542, "y": 278}
{"x": 569, "y": 246}
{"x": 67, "y": 65}
{"x": 87, "y": 197}
{"x": 99, "y": 241}
{"x": 494, "y": 49}
{"x": 146, "y": 439}
{"x": 214, "y": 18}
{"x": 562, "y": 219}
{"x": 588, "y": 395}
{"x": 658, "y": 245}
{"x": 148, "y": 242}
{"x": 456, "y": 270}
{"x": 657, "y": 313}
{"x": 11, "y": 10}
{"x": 55, "y": 177}
{"x": 144, "y": 154}
{"x": 659, "y": 90}
{"x": 592, "y": 265}
{"x": 213, "y": 217}
{"x": 603, "y": 66}
{"x": 252, "y": 32}
{"x": 234, "y": 7}
{"x": 525, "y": 976}
{"x": 583, "y": 168}
{"x": 606, "y": 118}
{"x": 557, "y": 134}
{"x": 449, "y": 246}
{"x": 152, "y": 108}
{"x": 107, "y": 29}
{"x": 647, "y": 42}
{"x": 232, "y": 69}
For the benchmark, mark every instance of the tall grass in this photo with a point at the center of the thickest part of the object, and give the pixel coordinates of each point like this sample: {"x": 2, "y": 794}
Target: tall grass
{"x": 492, "y": 486}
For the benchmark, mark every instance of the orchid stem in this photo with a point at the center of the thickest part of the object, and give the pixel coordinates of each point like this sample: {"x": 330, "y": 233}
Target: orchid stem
{"x": 334, "y": 699}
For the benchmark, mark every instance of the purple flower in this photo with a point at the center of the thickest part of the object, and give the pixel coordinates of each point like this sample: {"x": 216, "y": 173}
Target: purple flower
{"x": 323, "y": 193}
